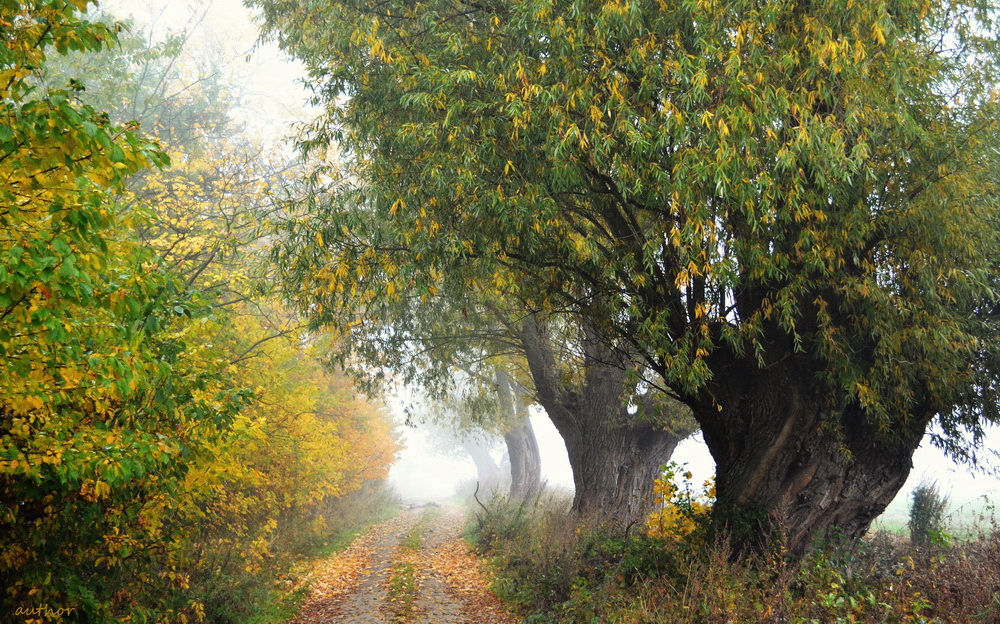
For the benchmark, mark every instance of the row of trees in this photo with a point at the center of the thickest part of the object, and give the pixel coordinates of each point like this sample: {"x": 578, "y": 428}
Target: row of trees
{"x": 167, "y": 437}
{"x": 780, "y": 215}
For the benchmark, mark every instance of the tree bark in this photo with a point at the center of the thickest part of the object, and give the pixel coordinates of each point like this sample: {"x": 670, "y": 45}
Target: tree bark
{"x": 615, "y": 453}
{"x": 525, "y": 462}
{"x": 522, "y": 447}
{"x": 614, "y": 466}
{"x": 791, "y": 467}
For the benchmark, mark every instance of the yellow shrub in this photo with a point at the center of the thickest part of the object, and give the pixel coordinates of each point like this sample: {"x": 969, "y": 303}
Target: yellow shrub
{"x": 677, "y": 508}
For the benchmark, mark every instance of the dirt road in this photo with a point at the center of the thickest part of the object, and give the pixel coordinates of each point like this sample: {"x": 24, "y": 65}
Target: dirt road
{"x": 414, "y": 568}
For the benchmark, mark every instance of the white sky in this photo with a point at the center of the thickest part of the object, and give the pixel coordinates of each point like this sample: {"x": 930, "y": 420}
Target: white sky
{"x": 274, "y": 100}
{"x": 421, "y": 474}
{"x": 273, "y": 96}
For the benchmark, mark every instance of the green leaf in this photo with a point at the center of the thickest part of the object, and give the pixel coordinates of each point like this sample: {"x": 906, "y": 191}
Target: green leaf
{"x": 117, "y": 154}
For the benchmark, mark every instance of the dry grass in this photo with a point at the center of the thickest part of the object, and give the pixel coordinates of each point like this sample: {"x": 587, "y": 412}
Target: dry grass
{"x": 555, "y": 570}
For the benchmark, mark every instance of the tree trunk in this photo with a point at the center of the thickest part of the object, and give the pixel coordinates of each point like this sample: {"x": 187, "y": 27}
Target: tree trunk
{"x": 525, "y": 462}
{"x": 489, "y": 474}
{"x": 522, "y": 447}
{"x": 790, "y": 467}
{"x": 614, "y": 466}
{"x": 615, "y": 453}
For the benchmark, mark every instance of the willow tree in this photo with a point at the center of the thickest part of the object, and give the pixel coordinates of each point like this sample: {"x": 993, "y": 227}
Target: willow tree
{"x": 618, "y": 429}
{"x": 788, "y": 209}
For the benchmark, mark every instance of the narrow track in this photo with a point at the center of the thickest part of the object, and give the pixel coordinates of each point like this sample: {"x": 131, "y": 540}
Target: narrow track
{"x": 353, "y": 586}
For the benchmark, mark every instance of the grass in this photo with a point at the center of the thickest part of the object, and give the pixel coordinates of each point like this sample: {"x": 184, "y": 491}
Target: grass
{"x": 281, "y": 607}
{"x": 403, "y": 587}
{"x": 552, "y": 569}
{"x": 403, "y": 590}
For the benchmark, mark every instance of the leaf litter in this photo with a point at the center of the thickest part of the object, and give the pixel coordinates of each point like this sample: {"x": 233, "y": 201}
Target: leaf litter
{"x": 351, "y": 587}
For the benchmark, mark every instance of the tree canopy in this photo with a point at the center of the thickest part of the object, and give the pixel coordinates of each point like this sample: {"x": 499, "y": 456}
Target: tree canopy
{"x": 788, "y": 209}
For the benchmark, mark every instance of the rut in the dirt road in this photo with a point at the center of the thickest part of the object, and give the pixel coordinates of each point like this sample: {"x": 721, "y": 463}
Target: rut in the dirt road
{"x": 414, "y": 568}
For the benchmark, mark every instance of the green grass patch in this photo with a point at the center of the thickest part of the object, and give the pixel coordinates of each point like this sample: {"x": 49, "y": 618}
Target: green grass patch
{"x": 403, "y": 590}
{"x": 278, "y": 606}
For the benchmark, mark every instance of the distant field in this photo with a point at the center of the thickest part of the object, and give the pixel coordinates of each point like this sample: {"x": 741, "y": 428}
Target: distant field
{"x": 962, "y": 520}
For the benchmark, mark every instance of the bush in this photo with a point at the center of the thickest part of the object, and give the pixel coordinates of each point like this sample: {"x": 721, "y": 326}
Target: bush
{"x": 927, "y": 509}
{"x": 678, "y": 507}
{"x": 555, "y": 569}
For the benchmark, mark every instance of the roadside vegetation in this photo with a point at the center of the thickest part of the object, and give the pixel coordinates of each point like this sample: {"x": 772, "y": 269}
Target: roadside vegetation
{"x": 554, "y": 569}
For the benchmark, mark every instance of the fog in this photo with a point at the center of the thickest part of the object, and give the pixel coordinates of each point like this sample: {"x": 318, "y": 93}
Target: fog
{"x": 422, "y": 474}
{"x": 272, "y": 98}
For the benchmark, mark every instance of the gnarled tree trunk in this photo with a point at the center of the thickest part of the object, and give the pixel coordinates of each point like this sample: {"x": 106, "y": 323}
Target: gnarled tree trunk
{"x": 489, "y": 474}
{"x": 614, "y": 465}
{"x": 525, "y": 462}
{"x": 790, "y": 466}
{"x": 615, "y": 453}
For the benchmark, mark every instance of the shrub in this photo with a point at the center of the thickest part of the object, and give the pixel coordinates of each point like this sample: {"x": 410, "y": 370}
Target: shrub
{"x": 546, "y": 555}
{"x": 927, "y": 509}
{"x": 557, "y": 569}
{"x": 678, "y": 509}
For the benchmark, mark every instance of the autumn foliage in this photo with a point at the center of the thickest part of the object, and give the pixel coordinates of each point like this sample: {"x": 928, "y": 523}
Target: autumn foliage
{"x": 160, "y": 452}
{"x": 678, "y": 508}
